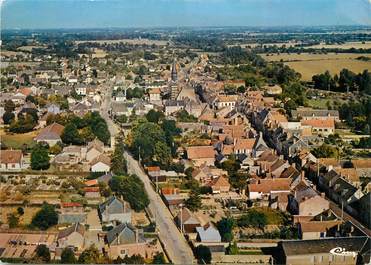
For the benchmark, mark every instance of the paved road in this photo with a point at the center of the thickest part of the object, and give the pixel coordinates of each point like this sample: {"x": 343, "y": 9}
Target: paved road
{"x": 174, "y": 242}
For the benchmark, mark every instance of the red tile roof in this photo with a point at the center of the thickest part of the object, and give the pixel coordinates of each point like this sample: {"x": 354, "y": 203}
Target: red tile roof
{"x": 268, "y": 185}
{"x": 317, "y": 123}
{"x": 10, "y": 156}
{"x": 199, "y": 152}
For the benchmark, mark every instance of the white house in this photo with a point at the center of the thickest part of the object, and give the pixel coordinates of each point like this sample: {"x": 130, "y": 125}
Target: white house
{"x": 11, "y": 160}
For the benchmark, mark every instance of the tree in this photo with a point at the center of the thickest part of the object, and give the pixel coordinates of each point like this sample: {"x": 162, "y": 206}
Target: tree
{"x": 132, "y": 189}
{"x": 154, "y": 116}
{"x": 89, "y": 256}
{"x": 184, "y": 116}
{"x": 20, "y": 211}
{"x": 68, "y": 256}
{"x": 253, "y": 218}
{"x": 40, "y": 157}
{"x": 159, "y": 258}
{"x": 70, "y": 135}
{"x": 203, "y": 254}
{"x": 45, "y": 217}
{"x": 162, "y": 154}
{"x": 43, "y": 253}
{"x": 326, "y": 151}
{"x": 86, "y": 134}
{"x": 145, "y": 136}
{"x": 13, "y": 220}
{"x": 8, "y": 117}
{"x": 193, "y": 203}
{"x": 225, "y": 227}
{"x": 9, "y": 106}
{"x": 118, "y": 162}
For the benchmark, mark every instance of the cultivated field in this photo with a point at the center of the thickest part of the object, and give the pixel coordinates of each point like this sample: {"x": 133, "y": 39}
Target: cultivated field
{"x": 309, "y": 64}
{"x": 128, "y": 41}
{"x": 347, "y": 45}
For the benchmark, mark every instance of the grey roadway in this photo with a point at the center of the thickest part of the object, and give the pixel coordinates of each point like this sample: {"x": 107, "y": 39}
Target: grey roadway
{"x": 174, "y": 242}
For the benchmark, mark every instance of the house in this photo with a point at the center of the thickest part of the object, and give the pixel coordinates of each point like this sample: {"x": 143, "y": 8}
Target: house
{"x": 73, "y": 236}
{"x": 172, "y": 106}
{"x": 187, "y": 221}
{"x": 306, "y": 201}
{"x": 208, "y": 234}
{"x": 266, "y": 187}
{"x": 11, "y": 160}
{"x": 273, "y": 89}
{"x": 317, "y": 229}
{"x": 71, "y": 213}
{"x": 244, "y": 146}
{"x": 320, "y": 126}
{"x": 126, "y": 240}
{"x": 121, "y": 96}
{"x": 201, "y": 155}
{"x": 324, "y": 251}
{"x": 94, "y": 149}
{"x": 53, "y": 109}
{"x": 228, "y": 101}
{"x": 50, "y": 134}
{"x": 155, "y": 94}
{"x": 220, "y": 185}
{"x": 279, "y": 200}
{"x": 205, "y": 174}
{"x": 102, "y": 163}
{"x": 305, "y": 113}
{"x": 115, "y": 209}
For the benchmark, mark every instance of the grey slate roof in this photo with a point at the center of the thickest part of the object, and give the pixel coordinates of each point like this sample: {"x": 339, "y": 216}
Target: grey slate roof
{"x": 124, "y": 234}
{"x": 114, "y": 205}
{"x": 323, "y": 245}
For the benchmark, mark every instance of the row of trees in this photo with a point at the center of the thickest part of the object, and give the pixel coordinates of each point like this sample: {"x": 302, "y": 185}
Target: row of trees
{"x": 91, "y": 255}
{"x": 346, "y": 81}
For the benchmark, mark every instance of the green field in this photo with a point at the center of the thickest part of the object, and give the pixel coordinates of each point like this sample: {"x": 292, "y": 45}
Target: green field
{"x": 16, "y": 141}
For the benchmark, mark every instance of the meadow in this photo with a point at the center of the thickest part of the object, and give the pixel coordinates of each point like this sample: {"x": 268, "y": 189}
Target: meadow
{"x": 16, "y": 141}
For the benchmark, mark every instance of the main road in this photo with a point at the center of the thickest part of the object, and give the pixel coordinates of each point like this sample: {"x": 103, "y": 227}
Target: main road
{"x": 174, "y": 242}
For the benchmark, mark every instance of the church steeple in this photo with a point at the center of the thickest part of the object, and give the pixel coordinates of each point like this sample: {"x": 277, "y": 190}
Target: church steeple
{"x": 174, "y": 74}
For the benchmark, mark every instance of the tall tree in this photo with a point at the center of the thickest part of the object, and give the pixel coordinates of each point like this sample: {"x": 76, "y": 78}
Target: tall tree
{"x": 132, "y": 189}
{"x": 68, "y": 256}
{"x": 40, "y": 157}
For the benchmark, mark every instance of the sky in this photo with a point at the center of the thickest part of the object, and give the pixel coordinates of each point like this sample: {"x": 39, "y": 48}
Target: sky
{"x": 45, "y": 14}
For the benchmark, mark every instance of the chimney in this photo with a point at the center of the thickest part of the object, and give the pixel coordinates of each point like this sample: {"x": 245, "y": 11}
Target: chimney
{"x": 323, "y": 195}
{"x": 136, "y": 235}
{"x": 118, "y": 238}
{"x": 302, "y": 175}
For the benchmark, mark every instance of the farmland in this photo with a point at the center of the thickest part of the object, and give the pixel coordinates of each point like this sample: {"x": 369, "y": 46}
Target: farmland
{"x": 308, "y": 64}
{"x": 127, "y": 41}
{"x": 347, "y": 45}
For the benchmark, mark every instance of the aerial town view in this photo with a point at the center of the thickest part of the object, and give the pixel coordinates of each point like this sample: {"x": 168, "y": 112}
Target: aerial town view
{"x": 185, "y": 132}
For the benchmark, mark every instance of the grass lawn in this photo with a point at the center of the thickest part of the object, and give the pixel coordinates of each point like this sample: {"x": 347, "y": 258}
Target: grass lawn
{"x": 321, "y": 103}
{"x": 16, "y": 141}
{"x": 274, "y": 217}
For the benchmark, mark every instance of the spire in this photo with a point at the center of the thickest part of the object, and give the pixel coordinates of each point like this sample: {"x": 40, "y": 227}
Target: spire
{"x": 174, "y": 74}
